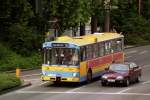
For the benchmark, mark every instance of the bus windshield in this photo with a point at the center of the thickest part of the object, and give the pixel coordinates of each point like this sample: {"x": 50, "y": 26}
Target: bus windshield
{"x": 61, "y": 56}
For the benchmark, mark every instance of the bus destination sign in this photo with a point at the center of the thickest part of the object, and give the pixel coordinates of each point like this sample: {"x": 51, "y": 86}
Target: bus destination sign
{"x": 60, "y": 45}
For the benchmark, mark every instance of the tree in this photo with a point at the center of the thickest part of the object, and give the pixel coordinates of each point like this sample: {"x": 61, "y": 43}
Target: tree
{"x": 69, "y": 13}
{"x": 145, "y": 11}
{"x": 126, "y": 9}
{"x": 17, "y": 30}
{"x": 96, "y": 7}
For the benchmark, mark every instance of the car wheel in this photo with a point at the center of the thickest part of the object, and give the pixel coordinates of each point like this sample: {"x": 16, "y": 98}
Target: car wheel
{"x": 103, "y": 83}
{"x": 127, "y": 82}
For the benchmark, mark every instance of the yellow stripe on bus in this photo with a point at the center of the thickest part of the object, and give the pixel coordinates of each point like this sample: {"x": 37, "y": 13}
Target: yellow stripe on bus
{"x": 61, "y": 69}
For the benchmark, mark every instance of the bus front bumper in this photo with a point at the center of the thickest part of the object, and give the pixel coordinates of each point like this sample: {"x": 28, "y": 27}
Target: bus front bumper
{"x": 61, "y": 79}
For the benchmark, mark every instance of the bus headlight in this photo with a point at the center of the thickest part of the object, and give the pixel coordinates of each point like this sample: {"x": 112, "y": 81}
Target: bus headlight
{"x": 75, "y": 74}
{"x": 43, "y": 72}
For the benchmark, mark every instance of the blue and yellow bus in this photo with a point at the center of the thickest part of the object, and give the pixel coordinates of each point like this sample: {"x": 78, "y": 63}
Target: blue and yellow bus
{"x": 78, "y": 59}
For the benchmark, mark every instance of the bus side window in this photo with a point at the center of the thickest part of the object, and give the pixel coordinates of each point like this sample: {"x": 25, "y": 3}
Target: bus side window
{"x": 113, "y": 46}
{"x": 83, "y": 53}
{"x": 88, "y": 53}
{"x": 96, "y": 54}
{"x": 119, "y": 44}
{"x": 107, "y": 47}
{"x": 101, "y": 49}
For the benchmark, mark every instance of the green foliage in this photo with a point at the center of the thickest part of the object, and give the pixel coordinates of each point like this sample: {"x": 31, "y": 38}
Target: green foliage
{"x": 9, "y": 60}
{"x": 134, "y": 39}
{"x": 136, "y": 30}
{"x": 70, "y": 13}
{"x": 145, "y": 11}
{"x": 22, "y": 30}
{"x": 125, "y": 19}
{"x": 8, "y": 81}
{"x": 24, "y": 40}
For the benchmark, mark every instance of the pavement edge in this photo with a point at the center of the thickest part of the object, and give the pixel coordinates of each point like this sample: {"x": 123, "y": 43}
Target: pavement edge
{"x": 16, "y": 88}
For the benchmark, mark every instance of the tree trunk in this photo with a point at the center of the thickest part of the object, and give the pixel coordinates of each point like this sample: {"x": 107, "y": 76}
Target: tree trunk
{"x": 107, "y": 21}
{"x": 139, "y": 7}
{"x": 93, "y": 24}
{"x": 82, "y": 29}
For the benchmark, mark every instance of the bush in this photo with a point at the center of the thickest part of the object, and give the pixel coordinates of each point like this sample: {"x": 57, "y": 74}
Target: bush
{"x": 23, "y": 39}
{"x": 134, "y": 39}
{"x": 8, "y": 81}
{"x": 136, "y": 31}
{"x": 9, "y": 60}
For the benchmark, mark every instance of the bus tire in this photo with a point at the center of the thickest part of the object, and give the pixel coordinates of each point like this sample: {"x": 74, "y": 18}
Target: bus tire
{"x": 56, "y": 82}
{"x": 89, "y": 76}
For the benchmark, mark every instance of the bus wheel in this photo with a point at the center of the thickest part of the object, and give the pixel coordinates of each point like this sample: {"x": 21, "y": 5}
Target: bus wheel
{"x": 56, "y": 82}
{"x": 89, "y": 76}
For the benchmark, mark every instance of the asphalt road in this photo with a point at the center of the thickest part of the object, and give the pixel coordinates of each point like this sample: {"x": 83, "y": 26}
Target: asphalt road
{"x": 94, "y": 91}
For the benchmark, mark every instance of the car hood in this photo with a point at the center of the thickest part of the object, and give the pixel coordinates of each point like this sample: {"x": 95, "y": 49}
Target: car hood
{"x": 115, "y": 74}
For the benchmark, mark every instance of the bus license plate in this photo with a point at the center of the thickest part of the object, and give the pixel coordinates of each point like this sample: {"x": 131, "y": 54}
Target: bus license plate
{"x": 111, "y": 80}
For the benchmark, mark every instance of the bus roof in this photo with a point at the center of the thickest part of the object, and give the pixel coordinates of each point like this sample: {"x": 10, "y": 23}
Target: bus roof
{"x": 84, "y": 40}
{"x": 89, "y": 39}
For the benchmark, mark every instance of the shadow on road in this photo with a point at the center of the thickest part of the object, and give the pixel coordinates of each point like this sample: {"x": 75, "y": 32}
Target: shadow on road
{"x": 71, "y": 84}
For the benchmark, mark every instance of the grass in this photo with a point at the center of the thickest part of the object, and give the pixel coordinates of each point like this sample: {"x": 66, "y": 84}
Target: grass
{"x": 8, "y": 81}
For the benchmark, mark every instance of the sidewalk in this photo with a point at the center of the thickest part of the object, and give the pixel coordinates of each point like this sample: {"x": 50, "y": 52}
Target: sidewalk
{"x": 128, "y": 46}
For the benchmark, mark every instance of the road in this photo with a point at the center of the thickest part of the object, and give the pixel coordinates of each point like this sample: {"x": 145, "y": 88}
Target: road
{"x": 94, "y": 91}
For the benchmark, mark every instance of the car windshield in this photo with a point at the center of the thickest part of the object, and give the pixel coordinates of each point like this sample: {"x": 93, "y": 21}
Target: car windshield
{"x": 119, "y": 68}
{"x": 61, "y": 56}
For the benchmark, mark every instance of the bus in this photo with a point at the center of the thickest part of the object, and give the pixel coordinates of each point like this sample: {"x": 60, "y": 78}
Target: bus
{"x": 79, "y": 59}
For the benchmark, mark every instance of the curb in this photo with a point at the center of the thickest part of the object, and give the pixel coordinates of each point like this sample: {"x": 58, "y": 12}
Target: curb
{"x": 133, "y": 46}
{"x": 128, "y": 47}
{"x": 15, "y": 88}
{"x": 23, "y": 70}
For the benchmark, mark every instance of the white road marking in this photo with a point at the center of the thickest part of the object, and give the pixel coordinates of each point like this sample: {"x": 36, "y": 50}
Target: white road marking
{"x": 73, "y": 90}
{"x": 143, "y": 52}
{"x": 31, "y": 75}
{"x": 146, "y": 82}
{"x": 134, "y": 51}
{"x": 122, "y": 91}
{"x": 128, "y": 57}
{"x": 94, "y": 93}
{"x": 146, "y": 66}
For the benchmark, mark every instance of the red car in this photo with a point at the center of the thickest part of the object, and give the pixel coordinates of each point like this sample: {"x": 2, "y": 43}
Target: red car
{"x": 122, "y": 73}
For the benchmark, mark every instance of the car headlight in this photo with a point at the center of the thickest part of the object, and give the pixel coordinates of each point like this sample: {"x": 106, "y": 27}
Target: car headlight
{"x": 119, "y": 77}
{"x": 104, "y": 77}
{"x": 75, "y": 74}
